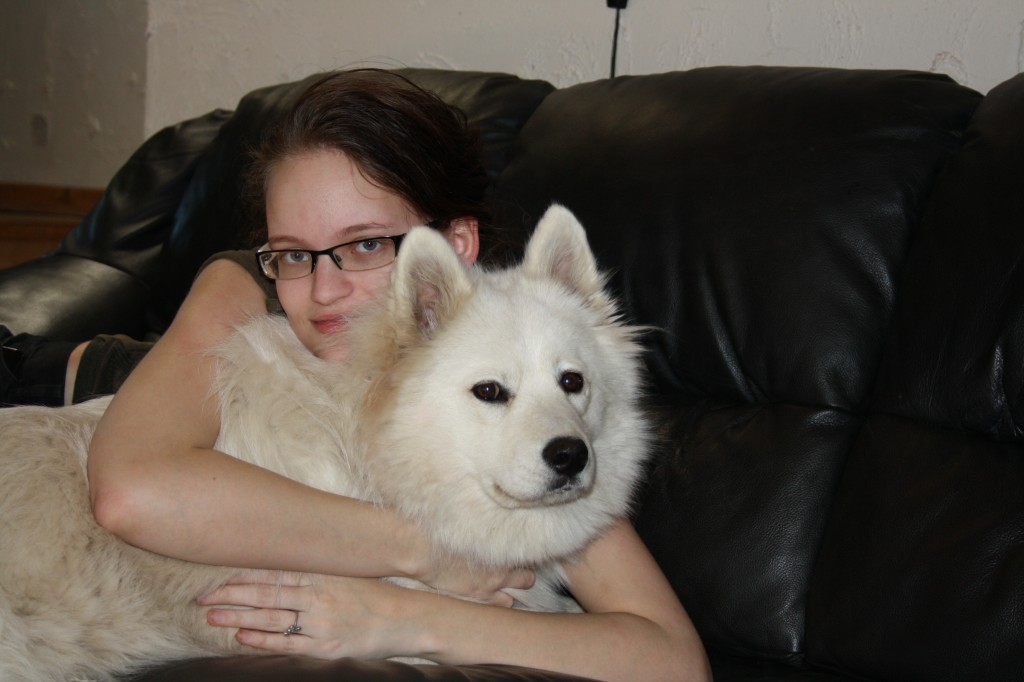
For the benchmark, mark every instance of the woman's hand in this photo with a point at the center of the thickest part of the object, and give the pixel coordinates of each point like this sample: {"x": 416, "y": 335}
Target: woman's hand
{"x": 457, "y": 577}
{"x": 338, "y": 616}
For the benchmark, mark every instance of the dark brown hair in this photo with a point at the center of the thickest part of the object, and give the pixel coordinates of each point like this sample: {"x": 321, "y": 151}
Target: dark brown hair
{"x": 403, "y": 138}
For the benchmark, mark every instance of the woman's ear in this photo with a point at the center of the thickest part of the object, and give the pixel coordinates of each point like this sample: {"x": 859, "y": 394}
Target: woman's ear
{"x": 464, "y": 235}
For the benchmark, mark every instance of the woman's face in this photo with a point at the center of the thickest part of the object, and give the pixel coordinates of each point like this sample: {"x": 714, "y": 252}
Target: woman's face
{"x": 316, "y": 200}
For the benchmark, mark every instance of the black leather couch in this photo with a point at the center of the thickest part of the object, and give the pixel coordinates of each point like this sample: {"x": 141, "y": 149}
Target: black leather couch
{"x": 833, "y": 261}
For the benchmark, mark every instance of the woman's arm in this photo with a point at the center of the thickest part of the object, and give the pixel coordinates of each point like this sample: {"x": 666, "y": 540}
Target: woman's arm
{"x": 634, "y": 628}
{"x": 157, "y": 483}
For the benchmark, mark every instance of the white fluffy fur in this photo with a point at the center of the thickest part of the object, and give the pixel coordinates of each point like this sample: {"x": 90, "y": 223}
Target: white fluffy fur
{"x": 398, "y": 423}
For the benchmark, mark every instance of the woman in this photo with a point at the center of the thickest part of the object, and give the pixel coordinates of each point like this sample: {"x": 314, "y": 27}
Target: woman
{"x": 362, "y": 155}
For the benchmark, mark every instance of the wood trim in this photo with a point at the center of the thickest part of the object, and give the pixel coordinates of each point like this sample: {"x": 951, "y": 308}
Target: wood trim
{"x": 20, "y": 229}
{"x": 26, "y": 198}
{"x": 34, "y": 218}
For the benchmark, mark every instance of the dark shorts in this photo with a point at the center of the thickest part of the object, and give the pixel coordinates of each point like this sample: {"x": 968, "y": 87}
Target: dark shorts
{"x": 106, "y": 363}
{"x": 32, "y": 369}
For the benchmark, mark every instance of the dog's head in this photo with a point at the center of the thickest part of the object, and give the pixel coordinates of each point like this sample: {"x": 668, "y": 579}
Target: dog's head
{"x": 508, "y": 424}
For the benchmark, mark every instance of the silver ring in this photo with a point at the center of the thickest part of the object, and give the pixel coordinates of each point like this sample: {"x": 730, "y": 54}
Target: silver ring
{"x": 294, "y": 628}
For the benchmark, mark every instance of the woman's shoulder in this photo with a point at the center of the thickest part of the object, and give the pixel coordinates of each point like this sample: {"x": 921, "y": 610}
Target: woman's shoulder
{"x": 246, "y": 260}
{"x": 244, "y": 257}
{"x": 223, "y": 293}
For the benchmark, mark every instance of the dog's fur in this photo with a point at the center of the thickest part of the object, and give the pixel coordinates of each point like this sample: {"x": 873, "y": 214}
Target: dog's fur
{"x": 498, "y": 410}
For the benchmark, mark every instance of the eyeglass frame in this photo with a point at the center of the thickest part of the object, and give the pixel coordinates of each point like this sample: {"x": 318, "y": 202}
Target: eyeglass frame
{"x": 396, "y": 239}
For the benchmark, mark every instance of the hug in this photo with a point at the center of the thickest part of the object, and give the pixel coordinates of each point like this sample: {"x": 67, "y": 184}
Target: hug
{"x": 816, "y": 272}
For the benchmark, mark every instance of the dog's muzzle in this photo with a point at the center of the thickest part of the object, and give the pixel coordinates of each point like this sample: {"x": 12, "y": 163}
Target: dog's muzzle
{"x": 566, "y": 456}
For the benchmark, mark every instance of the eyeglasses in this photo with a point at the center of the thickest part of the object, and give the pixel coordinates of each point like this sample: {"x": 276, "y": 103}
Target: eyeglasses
{"x": 367, "y": 253}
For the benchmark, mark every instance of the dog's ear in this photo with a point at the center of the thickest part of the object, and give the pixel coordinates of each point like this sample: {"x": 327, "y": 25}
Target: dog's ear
{"x": 558, "y": 249}
{"x": 429, "y": 281}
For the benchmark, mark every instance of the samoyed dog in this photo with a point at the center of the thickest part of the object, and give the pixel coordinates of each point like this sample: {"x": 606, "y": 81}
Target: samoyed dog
{"x": 498, "y": 410}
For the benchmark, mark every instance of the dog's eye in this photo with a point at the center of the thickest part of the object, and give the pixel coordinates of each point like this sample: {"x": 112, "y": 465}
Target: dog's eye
{"x": 490, "y": 391}
{"x": 571, "y": 382}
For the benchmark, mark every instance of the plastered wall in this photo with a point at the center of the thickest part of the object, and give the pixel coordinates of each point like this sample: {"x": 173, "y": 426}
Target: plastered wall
{"x": 72, "y": 86}
{"x": 107, "y": 73}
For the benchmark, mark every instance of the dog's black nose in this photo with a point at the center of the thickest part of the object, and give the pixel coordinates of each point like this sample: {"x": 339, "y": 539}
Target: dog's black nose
{"x": 566, "y": 455}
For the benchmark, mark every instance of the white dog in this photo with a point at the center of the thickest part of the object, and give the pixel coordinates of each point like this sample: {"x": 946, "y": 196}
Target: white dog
{"x": 498, "y": 410}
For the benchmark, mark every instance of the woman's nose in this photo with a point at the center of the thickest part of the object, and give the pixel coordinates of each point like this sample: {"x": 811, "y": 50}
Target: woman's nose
{"x": 329, "y": 282}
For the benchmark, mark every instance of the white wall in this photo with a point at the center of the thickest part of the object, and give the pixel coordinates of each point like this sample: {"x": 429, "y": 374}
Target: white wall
{"x": 203, "y": 54}
{"x": 72, "y": 79}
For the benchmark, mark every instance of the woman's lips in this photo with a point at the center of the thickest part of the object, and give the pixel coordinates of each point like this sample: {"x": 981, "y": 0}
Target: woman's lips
{"x": 329, "y": 325}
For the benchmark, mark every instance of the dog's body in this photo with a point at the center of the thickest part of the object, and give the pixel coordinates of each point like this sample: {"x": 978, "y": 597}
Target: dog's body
{"x": 497, "y": 410}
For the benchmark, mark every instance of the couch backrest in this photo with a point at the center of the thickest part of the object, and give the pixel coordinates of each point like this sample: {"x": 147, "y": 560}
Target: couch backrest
{"x": 921, "y": 575}
{"x": 761, "y": 219}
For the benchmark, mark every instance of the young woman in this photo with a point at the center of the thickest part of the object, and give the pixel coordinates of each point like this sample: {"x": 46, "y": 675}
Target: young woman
{"x": 363, "y": 156}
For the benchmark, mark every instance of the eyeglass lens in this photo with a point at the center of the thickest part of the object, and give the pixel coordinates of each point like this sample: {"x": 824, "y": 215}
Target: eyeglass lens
{"x": 365, "y": 254}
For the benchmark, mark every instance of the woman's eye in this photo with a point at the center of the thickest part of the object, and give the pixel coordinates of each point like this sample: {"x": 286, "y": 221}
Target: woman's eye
{"x": 293, "y": 257}
{"x": 368, "y": 245}
{"x": 490, "y": 391}
{"x": 571, "y": 382}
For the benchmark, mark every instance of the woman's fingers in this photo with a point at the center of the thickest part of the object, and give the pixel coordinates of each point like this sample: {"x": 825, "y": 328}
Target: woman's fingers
{"x": 522, "y": 578}
{"x": 259, "y": 595}
{"x": 263, "y": 619}
{"x": 267, "y": 577}
{"x": 285, "y": 644}
{"x": 518, "y": 579}
{"x": 285, "y": 590}
{"x": 335, "y": 616}
{"x": 479, "y": 583}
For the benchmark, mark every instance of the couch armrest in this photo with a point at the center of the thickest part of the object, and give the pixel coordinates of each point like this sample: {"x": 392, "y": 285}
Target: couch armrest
{"x": 287, "y": 668}
{"x": 70, "y": 298}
